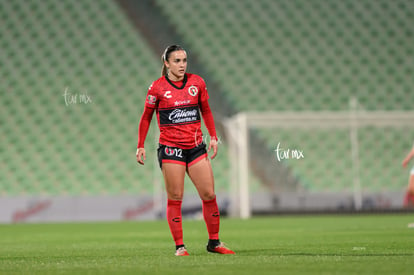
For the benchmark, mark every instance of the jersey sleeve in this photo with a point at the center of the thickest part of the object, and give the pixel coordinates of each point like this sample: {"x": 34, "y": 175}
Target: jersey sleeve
{"x": 203, "y": 96}
{"x": 208, "y": 119}
{"x": 206, "y": 111}
{"x": 144, "y": 125}
{"x": 151, "y": 101}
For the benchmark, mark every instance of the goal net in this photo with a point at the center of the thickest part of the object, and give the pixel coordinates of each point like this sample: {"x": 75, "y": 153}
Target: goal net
{"x": 349, "y": 152}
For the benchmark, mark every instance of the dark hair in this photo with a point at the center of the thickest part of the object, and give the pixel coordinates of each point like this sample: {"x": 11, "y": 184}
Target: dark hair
{"x": 166, "y": 55}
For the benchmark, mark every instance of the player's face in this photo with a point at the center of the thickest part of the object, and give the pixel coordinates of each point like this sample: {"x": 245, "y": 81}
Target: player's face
{"x": 177, "y": 65}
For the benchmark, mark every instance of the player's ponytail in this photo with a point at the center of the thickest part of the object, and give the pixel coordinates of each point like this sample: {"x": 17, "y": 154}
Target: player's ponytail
{"x": 166, "y": 55}
{"x": 164, "y": 70}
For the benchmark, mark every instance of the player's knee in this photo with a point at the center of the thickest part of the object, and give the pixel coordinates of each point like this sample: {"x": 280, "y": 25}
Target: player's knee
{"x": 208, "y": 195}
{"x": 178, "y": 196}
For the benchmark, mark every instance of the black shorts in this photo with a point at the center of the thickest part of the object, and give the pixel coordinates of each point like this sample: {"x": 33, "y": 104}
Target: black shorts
{"x": 186, "y": 157}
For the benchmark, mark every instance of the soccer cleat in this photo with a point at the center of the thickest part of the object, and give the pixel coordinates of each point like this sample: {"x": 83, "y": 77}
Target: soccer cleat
{"x": 220, "y": 249}
{"x": 181, "y": 252}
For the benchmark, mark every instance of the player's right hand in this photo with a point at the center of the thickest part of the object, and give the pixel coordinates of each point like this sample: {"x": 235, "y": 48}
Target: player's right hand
{"x": 141, "y": 155}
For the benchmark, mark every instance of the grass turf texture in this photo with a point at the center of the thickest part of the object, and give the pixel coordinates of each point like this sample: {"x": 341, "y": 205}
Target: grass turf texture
{"x": 360, "y": 244}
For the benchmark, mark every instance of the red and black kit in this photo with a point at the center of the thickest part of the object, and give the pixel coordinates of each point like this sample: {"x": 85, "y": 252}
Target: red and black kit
{"x": 179, "y": 106}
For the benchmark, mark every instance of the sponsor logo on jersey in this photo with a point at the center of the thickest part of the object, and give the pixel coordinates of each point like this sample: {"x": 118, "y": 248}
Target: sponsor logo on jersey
{"x": 168, "y": 94}
{"x": 151, "y": 99}
{"x": 192, "y": 90}
{"x": 183, "y": 102}
{"x": 184, "y": 115}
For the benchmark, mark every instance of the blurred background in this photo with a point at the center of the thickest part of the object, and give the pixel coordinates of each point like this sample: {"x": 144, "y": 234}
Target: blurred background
{"x": 74, "y": 76}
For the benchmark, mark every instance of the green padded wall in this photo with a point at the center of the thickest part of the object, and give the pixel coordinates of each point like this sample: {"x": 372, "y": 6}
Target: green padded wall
{"x": 303, "y": 55}
{"x": 74, "y": 79}
{"x": 82, "y": 143}
{"x": 300, "y": 55}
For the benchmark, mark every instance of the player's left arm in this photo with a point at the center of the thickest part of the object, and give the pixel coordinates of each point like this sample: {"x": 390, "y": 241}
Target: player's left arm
{"x": 409, "y": 156}
{"x": 208, "y": 120}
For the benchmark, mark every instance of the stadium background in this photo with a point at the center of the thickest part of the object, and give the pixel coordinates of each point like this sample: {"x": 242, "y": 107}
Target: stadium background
{"x": 75, "y": 74}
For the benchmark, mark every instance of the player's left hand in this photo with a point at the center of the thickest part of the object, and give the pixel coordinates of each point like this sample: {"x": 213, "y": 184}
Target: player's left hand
{"x": 213, "y": 144}
{"x": 404, "y": 163}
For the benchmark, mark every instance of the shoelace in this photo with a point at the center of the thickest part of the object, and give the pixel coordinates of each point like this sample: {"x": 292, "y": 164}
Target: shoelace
{"x": 181, "y": 250}
{"x": 221, "y": 244}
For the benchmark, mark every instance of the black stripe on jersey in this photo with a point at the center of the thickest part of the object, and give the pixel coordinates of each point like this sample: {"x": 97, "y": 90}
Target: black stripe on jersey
{"x": 182, "y": 86}
{"x": 179, "y": 106}
{"x": 182, "y": 123}
{"x": 182, "y": 115}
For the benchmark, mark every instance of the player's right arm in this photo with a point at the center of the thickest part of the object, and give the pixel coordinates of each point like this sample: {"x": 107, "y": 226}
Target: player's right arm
{"x": 151, "y": 103}
{"x": 141, "y": 156}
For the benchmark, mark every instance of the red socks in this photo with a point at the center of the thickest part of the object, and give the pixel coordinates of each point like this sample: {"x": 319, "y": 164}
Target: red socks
{"x": 174, "y": 221}
{"x": 212, "y": 218}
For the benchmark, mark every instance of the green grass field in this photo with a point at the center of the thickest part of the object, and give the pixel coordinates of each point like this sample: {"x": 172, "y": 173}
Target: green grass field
{"x": 360, "y": 244}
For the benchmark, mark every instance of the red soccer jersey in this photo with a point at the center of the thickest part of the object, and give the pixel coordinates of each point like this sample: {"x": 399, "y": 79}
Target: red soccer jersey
{"x": 177, "y": 109}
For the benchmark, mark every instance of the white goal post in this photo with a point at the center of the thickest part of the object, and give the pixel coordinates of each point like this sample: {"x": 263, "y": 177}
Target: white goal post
{"x": 237, "y": 133}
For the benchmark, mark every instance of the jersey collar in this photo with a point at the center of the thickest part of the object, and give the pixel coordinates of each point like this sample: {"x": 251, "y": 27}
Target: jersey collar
{"x": 172, "y": 84}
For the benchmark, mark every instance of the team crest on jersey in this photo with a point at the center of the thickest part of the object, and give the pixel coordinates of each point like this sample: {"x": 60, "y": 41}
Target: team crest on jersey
{"x": 192, "y": 90}
{"x": 151, "y": 99}
{"x": 169, "y": 151}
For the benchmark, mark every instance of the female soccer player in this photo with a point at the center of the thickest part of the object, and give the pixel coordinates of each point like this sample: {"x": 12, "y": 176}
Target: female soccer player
{"x": 178, "y": 98}
{"x": 409, "y": 196}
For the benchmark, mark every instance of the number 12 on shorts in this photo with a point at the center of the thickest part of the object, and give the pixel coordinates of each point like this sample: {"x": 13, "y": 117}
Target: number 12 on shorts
{"x": 174, "y": 152}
